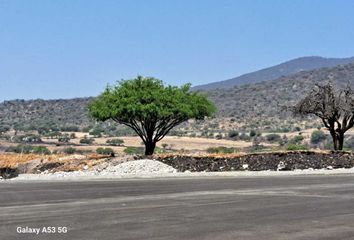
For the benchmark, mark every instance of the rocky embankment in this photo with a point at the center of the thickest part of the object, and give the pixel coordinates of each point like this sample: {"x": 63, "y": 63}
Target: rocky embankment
{"x": 182, "y": 165}
{"x": 261, "y": 161}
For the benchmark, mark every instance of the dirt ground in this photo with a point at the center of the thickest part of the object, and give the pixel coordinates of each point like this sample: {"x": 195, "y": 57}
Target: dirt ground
{"x": 173, "y": 142}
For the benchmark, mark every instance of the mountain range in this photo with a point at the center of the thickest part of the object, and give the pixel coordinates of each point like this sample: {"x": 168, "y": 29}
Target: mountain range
{"x": 277, "y": 71}
{"x": 267, "y": 98}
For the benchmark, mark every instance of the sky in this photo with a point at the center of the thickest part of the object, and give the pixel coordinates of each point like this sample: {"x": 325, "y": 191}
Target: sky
{"x": 71, "y": 48}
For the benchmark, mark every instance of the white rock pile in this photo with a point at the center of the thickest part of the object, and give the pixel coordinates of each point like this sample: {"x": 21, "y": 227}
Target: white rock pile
{"x": 137, "y": 168}
{"x": 143, "y": 167}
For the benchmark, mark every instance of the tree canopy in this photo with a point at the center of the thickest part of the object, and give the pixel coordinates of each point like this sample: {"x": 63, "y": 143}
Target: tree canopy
{"x": 149, "y": 107}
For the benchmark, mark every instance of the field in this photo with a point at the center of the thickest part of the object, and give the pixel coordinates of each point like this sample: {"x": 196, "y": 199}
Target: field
{"x": 170, "y": 143}
{"x": 86, "y": 155}
{"x": 173, "y": 142}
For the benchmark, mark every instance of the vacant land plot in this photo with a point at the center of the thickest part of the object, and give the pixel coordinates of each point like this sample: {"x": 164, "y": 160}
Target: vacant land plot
{"x": 172, "y": 142}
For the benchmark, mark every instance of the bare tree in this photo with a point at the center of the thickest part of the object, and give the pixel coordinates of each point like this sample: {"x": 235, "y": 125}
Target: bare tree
{"x": 334, "y": 108}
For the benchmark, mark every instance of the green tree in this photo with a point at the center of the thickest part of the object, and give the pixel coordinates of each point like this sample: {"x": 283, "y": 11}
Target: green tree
{"x": 150, "y": 108}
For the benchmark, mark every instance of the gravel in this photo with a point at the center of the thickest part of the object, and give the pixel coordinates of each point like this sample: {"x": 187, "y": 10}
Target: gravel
{"x": 143, "y": 166}
{"x": 130, "y": 169}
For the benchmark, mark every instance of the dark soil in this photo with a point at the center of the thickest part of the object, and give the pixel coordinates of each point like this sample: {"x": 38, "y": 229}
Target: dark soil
{"x": 7, "y": 172}
{"x": 261, "y": 161}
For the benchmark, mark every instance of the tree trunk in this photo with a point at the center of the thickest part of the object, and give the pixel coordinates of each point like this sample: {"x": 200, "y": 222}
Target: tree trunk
{"x": 150, "y": 147}
{"x": 340, "y": 141}
{"x": 335, "y": 140}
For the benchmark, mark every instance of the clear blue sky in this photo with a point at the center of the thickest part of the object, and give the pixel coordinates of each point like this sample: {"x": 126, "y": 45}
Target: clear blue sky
{"x": 71, "y": 48}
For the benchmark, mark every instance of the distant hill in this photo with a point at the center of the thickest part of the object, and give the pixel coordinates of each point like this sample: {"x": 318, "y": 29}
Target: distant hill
{"x": 283, "y": 69}
{"x": 247, "y": 102}
{"x": 39, "y": 113}
{"x": 265, "y": 99}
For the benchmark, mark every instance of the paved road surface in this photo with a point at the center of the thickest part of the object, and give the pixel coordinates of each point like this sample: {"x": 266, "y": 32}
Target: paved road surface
{"x": 298, "y": 207}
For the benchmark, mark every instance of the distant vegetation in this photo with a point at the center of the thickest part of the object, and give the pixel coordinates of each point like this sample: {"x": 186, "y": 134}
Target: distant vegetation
{"x": 318, "y": 136}
{"x": 115, "y": 142}
{"x": 24, "y": 148}
{"x": 72, "y": 150}
{"x": 296, "y": 147}
{"x": 105, "y": 151}
{"x": 87, "y": 140}
{"x": 134, "y": 150}
{"x": 220, "y": 150}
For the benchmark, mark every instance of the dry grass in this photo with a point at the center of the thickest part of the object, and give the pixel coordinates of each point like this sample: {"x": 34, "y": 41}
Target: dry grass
{"x": 189, "y": 143}
{"x": 13, "y": 160}
{"x": 173, "y": 142}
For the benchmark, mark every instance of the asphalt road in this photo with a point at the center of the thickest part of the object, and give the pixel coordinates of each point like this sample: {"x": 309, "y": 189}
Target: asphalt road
{"x": 298, "y": 207}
